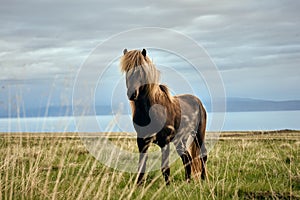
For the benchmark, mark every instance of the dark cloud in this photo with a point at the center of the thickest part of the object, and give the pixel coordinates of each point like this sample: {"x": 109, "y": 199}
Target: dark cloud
{"x": 250, "y": 42}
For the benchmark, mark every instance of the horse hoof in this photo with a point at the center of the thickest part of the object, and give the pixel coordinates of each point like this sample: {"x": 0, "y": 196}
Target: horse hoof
{"x": 188, "y": 180}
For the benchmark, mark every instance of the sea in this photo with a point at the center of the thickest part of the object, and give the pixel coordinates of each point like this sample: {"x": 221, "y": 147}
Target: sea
{"x": 230, "y": 121}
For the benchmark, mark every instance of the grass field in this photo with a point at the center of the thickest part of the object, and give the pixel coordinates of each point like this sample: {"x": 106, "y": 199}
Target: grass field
{"x": 248, "y": 165}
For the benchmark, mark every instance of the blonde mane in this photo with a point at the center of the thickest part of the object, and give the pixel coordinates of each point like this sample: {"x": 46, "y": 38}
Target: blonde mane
{"x": 135, "y": 60}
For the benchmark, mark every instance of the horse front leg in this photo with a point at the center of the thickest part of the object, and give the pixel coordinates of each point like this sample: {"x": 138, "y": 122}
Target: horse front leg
{"x": 143, "y": 147}
{"x": 165, "y": 168}
{"x": 142, "y": 167}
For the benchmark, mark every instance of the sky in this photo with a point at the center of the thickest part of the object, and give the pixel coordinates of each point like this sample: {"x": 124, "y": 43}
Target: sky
{"x": 254, "y": 45}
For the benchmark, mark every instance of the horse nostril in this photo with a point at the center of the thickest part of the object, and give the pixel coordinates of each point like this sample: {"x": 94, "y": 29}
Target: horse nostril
{"x": 132, "y": 95}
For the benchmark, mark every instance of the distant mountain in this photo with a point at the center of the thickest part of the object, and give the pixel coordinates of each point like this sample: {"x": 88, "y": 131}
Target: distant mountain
{"x": 232, "y": 105}
{"x": 247, "y": 104}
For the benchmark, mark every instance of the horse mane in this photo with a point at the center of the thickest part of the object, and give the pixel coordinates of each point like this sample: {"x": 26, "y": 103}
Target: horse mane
{"x": 135, "y": 60}
{"x": 166, "y": 91}
{"x": 132, "y": 59}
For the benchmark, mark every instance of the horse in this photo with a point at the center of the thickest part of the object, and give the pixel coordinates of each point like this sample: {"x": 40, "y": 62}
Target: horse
{"x": 160, "y": 118}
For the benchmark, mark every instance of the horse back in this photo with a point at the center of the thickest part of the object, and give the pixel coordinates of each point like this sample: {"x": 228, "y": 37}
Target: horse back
{"x": 189, "y": 101}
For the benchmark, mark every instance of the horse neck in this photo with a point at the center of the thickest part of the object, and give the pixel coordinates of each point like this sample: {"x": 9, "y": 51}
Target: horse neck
{"x": 146, "y": 99}
{"x": 154, "y": 96}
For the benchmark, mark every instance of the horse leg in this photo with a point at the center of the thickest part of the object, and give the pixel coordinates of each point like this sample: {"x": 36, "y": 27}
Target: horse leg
{"x": 143, "y": 147}
{"x": 142, "y": 167}
{"x": 203, "y": 155}
{"x": 165, "y": 168}
{"x": 201, "y": 141}
{"x": 185, "y": 157}
{"x": 203, "y": 160}
{"x": 186, "y": 160}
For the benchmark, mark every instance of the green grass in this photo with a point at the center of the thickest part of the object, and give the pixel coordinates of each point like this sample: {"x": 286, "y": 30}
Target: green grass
{"x": 54, "y": 167}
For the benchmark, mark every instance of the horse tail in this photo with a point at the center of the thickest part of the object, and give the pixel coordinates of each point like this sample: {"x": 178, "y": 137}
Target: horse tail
{"x": 197, "y": 148}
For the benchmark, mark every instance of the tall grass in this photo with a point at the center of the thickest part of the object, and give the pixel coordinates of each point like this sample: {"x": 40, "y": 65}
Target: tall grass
{"x": 58, "y": 166}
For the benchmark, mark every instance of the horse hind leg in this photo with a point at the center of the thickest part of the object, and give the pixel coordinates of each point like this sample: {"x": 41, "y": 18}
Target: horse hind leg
{"x": 186, "y": 160}
{"x": 185, "y": 157}
{"x": 201, "y": 138}
{"x": 203, "y": 173}
{"x": 196, "y": 163}
{"x": 203, "y": 154}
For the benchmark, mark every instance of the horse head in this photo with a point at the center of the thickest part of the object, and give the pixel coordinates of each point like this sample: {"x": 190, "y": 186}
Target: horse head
{"x": 141, "y": 74}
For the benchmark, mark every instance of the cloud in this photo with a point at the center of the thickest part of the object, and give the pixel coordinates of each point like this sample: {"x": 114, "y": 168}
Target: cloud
{"x": 250, "y": 42}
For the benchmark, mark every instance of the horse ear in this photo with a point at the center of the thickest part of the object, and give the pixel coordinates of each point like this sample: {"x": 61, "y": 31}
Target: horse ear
{"x": 125, "y": 51}
{"x": 144, "y": 52}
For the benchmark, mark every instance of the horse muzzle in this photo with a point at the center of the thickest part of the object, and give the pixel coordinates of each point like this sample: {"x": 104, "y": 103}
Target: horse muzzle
{"x": 132, "y": 95}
